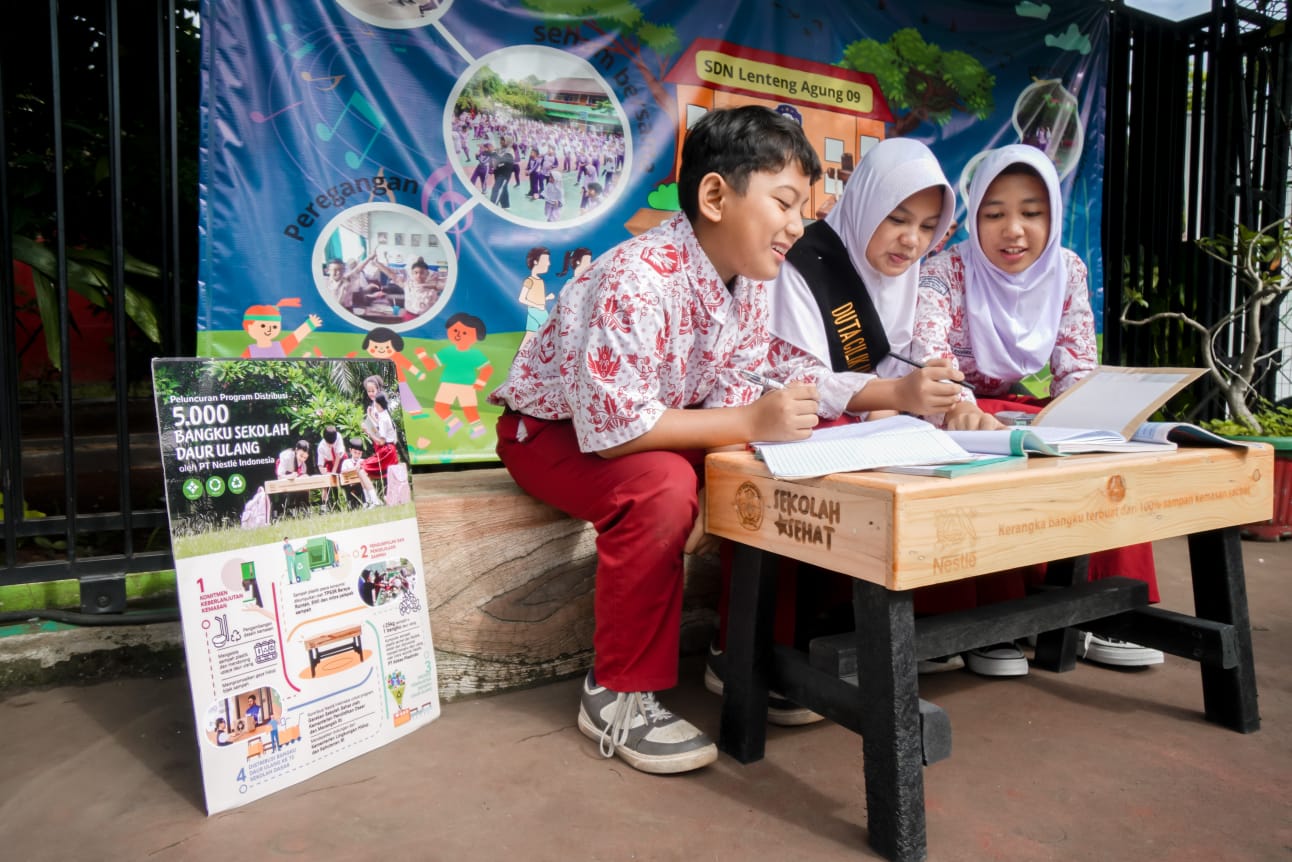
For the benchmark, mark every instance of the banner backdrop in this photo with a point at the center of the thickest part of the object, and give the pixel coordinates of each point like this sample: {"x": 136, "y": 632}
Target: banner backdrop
{"x": 418, "y": 180}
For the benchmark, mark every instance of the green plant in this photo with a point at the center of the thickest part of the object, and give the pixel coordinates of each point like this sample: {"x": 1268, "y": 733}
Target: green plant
{"x": 1260, "y": 283}
{"x": 1274, "y": 421}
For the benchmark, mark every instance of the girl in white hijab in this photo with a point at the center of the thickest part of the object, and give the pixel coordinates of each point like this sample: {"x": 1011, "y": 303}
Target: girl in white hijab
{"x": 1009, "y": 299}
{"x": 1003, "y": 304}
{"x": 843, "y": 306}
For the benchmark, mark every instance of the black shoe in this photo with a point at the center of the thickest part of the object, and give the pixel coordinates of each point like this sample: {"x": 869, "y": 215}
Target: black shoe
{"x": 780, "y": 711}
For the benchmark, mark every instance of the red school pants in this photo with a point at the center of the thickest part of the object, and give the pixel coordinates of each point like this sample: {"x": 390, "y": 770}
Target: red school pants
{"x": 643, "y": 507}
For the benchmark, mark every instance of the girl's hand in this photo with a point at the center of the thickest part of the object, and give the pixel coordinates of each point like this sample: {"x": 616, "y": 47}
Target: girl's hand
{"x": 966, "y": 416}
{"x": 930, "y": 389}
{"x": 785, "y": 414}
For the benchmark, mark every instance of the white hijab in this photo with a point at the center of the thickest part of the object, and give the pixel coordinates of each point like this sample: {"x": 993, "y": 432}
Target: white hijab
{"x": 891, "y": 172}
{"x": 1014, "y": 319}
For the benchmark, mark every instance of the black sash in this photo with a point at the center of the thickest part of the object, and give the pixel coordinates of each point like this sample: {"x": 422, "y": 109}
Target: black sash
{"x": 852, "y": 325}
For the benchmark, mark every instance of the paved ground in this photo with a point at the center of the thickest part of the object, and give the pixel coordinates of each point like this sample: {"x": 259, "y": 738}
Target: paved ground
{"x": 1097, "y": 764}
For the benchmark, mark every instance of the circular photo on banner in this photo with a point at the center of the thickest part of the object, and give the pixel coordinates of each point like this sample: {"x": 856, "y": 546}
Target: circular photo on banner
{"x": 396, "y": 14}
{"x": 538, "y": 136}
{"x": 383, "y": 264}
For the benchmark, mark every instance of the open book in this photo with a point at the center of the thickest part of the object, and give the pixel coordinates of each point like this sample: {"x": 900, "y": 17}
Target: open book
{"x": 1115, "y": 399}
{"x": 1048, "y": 440}
{"x": 898, "y": 440}
{"x": 1183, "y": 433}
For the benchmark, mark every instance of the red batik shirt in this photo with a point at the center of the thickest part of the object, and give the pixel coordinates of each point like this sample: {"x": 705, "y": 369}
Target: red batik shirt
{"x": 649, "y": 327}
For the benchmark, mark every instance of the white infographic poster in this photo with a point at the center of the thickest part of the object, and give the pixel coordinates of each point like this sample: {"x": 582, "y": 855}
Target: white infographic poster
{"x": 299, "y": 569}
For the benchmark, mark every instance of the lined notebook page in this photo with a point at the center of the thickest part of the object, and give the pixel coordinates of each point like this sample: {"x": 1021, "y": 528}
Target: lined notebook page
{"x": 897, "y": 441}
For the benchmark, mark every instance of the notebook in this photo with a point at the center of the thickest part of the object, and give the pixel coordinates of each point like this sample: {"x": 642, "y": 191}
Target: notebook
{"x": 896, "y": 441}
{"x": 977, "y": 464}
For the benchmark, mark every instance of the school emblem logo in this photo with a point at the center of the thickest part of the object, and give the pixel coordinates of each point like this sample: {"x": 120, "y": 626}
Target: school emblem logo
{"x": 749, "y": 506}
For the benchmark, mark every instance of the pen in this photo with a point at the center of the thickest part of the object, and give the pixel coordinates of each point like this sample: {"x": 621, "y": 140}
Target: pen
{"x": 760, "y": 380}
{"x": 900, "y": 358}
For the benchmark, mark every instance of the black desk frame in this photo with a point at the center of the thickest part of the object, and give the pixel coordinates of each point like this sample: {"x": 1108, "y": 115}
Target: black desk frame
{"x": 900, "y": 733}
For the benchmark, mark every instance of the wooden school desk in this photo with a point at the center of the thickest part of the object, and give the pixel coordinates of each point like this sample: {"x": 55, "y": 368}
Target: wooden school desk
{"x": 893, "y": 533}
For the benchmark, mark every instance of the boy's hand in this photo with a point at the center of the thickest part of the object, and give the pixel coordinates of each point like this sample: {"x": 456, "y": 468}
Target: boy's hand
{"x": 785, "y": 414}
{"x": 928, "y": 390}
{"x": 966, "y": 416}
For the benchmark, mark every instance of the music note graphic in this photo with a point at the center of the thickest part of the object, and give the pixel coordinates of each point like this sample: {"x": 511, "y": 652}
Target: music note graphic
{"x": 264, "y": 118}
{"x": 364, "y": 109}
{"x": 335, "y": 79}
{"x": 299, "y": 52}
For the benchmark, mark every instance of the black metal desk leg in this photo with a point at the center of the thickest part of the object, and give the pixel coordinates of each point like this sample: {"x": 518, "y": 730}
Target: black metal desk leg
{"x": 1220, "y": 594}
{"x": 888, "y": 698}
{"x": 750, "y": 617}
{"x": 1057, "y": 650}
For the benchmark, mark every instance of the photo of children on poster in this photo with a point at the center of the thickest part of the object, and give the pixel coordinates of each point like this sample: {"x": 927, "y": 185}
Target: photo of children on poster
{"x": 298, "y": 565}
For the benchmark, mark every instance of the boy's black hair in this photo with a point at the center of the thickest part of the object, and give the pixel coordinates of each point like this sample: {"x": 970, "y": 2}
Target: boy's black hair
{"x": 737, "y": 142}
{"x": 381, "y": 334}
{"x": 468, "y": 320}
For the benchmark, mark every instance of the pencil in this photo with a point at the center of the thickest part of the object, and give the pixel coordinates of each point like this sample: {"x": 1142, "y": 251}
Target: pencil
{"x": 900, "y": 358}
{"x": 760, "y": 380}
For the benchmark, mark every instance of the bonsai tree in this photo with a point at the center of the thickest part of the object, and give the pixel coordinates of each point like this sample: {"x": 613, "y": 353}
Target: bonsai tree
{"x": 1260, "y": 282}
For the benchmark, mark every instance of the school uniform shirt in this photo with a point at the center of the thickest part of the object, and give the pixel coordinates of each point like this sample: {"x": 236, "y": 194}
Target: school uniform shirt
{"x": 329, "y": 455}
{"x": 942, "y": 328}
{"x": 650, "y": 327}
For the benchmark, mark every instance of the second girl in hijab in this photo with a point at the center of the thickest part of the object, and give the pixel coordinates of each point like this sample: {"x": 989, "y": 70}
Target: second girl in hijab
{"x": 843, "y": 306}
{"x": 842, "y": 310}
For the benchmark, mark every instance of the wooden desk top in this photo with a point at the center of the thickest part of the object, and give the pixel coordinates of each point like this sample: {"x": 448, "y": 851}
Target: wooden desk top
{"x": 339, "y": 634}
{"x": 909, "y": 531}
{"x": 304, "y": 483}
{"x": 311, "y": 482}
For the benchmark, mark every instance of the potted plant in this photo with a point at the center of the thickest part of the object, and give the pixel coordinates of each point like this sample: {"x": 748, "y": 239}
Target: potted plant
{"x": 1260, "y": 282}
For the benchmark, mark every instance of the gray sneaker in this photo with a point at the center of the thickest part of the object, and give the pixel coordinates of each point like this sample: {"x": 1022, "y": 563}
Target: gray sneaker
{"x": 639, "y": 729}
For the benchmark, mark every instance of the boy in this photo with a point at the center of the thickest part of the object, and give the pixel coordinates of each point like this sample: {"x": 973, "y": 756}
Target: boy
{"x": 466, "y": 371}
{"x": 354, "y": 461}
{"x": 597, "y": 420}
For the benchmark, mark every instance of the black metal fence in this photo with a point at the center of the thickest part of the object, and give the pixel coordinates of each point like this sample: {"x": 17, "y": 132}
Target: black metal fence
{"x": 97, "y": 250}
{"x": 98, "y": 235}
{"x": 1198, "y": 118}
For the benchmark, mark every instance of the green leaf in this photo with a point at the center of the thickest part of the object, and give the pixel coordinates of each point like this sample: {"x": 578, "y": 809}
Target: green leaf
{"x": 140, "y": 309}
{"x": 47, "y": 307}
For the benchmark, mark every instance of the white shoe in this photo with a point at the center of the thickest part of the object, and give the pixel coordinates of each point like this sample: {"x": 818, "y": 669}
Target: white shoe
{"x": 943, "y": 664}
{"x": 1118, "y": 653}
{"x": 1003, "y": 659}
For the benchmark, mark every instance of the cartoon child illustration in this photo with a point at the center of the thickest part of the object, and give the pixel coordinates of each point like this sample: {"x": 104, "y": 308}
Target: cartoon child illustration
{"x": 466, "y": 371}
{"x": 384, "y": 343}
{"x": 533, "y": 293}
{"x": 263, "y": 323}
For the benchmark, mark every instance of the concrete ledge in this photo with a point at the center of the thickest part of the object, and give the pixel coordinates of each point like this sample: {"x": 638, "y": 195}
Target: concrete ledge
{"x": 90, "y": 654}
{"x": 510, "y": 584}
